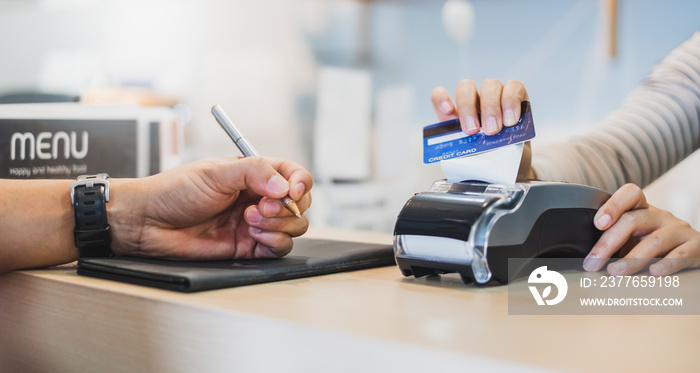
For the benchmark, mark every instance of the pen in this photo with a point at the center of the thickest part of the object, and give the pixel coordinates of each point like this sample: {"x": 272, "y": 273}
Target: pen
{"x": 247, "y": 149}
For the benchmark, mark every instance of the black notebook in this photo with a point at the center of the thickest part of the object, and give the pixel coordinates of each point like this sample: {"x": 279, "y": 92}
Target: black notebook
{"x": 309, "y": 257}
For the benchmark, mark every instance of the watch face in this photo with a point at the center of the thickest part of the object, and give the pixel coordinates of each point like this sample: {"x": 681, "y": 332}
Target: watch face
{"x": 65, "y": 148}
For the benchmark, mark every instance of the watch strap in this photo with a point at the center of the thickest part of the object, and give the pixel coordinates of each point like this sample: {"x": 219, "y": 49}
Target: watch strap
{"x": 92, "y": 232}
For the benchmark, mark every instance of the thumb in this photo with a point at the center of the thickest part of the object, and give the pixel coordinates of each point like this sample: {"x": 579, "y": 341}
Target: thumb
{"x": 252, "y": 173}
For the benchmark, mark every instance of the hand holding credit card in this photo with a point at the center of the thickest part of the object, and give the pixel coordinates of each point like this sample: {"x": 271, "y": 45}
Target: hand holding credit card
{"x": 446, "y": 140}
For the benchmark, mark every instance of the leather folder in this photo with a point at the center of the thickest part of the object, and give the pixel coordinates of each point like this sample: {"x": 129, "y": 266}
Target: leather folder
{"x": 309, "y": 257}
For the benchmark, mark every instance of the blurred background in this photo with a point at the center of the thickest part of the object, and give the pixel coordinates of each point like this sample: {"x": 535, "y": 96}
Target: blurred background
{"x": 343, "y": 87}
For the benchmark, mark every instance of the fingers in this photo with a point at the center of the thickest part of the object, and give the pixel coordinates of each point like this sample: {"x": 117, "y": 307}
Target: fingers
{"x": 272, "y": 226}
{"x": 271, "y": 215}
{"x": 514, "y": 93}
{"x": 230, "y": 176}
{"x": 627, "y": 215}
{"x": 270, "y": 244}
{"x": 620, "y": 218}
{"x": 273, "y": 234}
{"x": 270, "y": 208}
{"x": 468, "y": 106}
{"x": 676, "y": 240}
{"x": 497, "y": 104}
{"x": 269, "y": 224}
{"x": 655, "y": 244}
{"x": 491, "y": 116}
{"x": 627, "y": 266}
{"x": 628, "y": 197}
{"x": 290, "y": 225}
{"x": 684, "y": 256}
{"x": 444, "y": 108}
{"x": 632, "y": 223}
{"x": 500, "y": 104}
{"x": 268, "y": 177}
{"x": 299, "y": 178}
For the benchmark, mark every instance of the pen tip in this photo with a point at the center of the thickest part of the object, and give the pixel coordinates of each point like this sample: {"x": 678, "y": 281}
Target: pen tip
{"x": 291, "y": 206}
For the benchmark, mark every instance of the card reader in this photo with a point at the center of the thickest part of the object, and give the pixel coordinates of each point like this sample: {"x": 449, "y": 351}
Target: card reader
{"x": 472, "y": 228}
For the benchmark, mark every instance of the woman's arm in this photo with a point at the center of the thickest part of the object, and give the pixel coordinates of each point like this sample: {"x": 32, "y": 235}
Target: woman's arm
{"x": 657, "y": 126}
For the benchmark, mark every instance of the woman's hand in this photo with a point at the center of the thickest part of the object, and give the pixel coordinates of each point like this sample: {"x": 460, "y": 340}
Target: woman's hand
{"x": 498, "y": 105}
{"x": 627, "y": 215}
{"x": 212, "y": 209}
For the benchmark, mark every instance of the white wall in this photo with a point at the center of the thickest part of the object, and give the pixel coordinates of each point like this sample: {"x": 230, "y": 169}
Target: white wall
{"x": 249, "y": 56}
{"x": 557, "y": 48}
{"x": 260, "y": 59}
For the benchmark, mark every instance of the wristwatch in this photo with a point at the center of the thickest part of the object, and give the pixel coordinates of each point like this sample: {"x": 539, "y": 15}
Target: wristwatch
{"x": 89, "y": 196}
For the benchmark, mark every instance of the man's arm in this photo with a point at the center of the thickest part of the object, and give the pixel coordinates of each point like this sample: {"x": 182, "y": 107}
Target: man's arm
{"x": 36, "y": 224}
{"x": 211, "y": 209}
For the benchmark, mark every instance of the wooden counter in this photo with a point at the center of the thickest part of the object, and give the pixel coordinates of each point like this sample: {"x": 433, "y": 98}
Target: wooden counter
{"x": 53, "y": 320}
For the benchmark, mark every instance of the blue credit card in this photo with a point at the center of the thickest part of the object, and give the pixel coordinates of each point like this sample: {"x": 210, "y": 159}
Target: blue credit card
{"x": 446, "y": 140}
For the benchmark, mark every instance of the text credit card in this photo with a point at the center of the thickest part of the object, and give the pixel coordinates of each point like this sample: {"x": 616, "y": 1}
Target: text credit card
{"x": 446, "y": 140}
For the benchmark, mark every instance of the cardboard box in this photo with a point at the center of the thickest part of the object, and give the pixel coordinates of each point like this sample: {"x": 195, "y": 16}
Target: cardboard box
{"x": 64, "y": 140}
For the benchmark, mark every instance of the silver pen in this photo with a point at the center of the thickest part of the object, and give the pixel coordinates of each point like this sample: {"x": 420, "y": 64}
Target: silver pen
{"x": 247, "y": 149}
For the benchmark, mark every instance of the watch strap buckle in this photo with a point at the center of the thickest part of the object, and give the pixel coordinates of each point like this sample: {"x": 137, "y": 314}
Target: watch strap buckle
{"x": 89, "y": 181}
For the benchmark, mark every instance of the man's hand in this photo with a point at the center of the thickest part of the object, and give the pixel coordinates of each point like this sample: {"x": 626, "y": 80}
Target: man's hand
{"x": 212, "y": 209}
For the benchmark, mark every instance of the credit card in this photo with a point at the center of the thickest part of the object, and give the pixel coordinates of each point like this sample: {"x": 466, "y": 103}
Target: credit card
{"x": 446, "y": 140}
